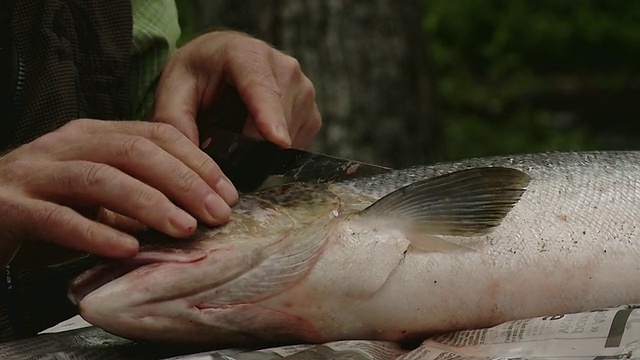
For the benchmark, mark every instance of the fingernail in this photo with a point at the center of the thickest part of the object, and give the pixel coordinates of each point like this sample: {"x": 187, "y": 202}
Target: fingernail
{"x": 283, "y": 133}
{"x": 128, "y": 246}
{"x": 182, "y": 222}
{"x": 218, "y": 208}
{"x": 227, "y": 191}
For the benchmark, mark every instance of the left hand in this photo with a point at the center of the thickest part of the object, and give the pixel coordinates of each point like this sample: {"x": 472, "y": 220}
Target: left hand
{"x": 279, "y": 97}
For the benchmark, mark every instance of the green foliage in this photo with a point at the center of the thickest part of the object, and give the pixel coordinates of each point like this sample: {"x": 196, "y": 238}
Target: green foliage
{"x": 500, "y": 66}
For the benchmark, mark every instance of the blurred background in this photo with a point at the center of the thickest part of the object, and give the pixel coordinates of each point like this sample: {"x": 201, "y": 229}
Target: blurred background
{"x": 417, "y": 81}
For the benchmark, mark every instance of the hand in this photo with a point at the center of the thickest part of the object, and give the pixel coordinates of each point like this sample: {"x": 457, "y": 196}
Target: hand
{"x": 279, "y": 97}
{"x": 78, "y": 185}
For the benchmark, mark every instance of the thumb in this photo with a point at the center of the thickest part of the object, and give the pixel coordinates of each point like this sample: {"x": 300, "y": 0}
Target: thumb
{"x": 176, "y": 102}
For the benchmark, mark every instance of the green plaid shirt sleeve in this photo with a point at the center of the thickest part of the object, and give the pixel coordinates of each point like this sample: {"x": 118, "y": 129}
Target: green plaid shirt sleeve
{"x": 155, "y": 33}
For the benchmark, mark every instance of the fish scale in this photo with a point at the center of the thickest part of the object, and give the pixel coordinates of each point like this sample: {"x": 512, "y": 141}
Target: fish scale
{"x": 396, "y": 256}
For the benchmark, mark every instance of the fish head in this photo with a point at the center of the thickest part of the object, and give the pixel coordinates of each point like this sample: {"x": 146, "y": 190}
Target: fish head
{"x": 207, "y": 289}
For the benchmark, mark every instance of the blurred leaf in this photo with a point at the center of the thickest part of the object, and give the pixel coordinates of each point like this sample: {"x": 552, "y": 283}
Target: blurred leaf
{"x": 506, "y": 71}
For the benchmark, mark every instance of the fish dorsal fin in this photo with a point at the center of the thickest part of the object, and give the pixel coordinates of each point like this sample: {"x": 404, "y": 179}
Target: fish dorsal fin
{"x": 463, "y": 203}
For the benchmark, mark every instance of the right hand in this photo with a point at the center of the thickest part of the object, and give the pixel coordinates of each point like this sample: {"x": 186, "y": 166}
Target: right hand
{"x": 78, "y": 185}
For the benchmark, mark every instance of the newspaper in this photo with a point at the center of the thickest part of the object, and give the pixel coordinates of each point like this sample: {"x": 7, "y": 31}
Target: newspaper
{"x": 612, "y": 333}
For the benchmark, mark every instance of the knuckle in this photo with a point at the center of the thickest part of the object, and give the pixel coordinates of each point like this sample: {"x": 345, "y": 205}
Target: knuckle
{"x": 286, "y": 69}
{"x": 134, "y": 147}
{"x": 48, "y": 142}
{"x": 290, "y": 68}
{"x": 20, "y": 169}
{"x": 55, "y": 216}
{"x": 148, "y": 199}
{"x": 89, "y": 232}
{"x": 203, "y": 164}
{"x": 164, "y": 132}
{"x": 305, "y": 103}
{"x": 188, "y": 181}
{"x": 92, "y": 175}
{"x": 77, "y": 125}
{"x": 266, "y": 87}
{"x": 308, "y": 88}
{"x": 308, "y": 92}
{"x": 291, "y": 65}
{"x": 250, "y": 44}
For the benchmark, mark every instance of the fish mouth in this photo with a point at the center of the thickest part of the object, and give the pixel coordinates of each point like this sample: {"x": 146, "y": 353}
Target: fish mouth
{"x": 95, "y": 278}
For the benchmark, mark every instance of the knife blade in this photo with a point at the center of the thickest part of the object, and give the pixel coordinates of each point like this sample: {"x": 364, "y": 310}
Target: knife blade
{"x": 248, "y": 162}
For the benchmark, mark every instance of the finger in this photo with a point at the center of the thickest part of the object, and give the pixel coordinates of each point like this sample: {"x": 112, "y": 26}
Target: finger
{"x": 153, "y": 165}
{"x": 103, "y": 185}
{"x": 118, "y": 221}
{"x": 176, "y": 167}
{"x": 61, "y": 225}
{"x": 260, "y": 92}
{"x": 308, "y": 130}
{"x": 305, "y": 118}
{"x": 177, "y": 101}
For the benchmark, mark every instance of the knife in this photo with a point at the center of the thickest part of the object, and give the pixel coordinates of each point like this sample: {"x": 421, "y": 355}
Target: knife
{"x": 248, "y": 162}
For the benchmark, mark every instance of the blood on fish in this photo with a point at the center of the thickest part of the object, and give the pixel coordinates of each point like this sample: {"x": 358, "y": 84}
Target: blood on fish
{"x": 352, "y": 169}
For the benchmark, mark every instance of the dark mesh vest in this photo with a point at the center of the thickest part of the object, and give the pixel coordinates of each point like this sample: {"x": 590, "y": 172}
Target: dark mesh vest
{"x": 60, "y": 60}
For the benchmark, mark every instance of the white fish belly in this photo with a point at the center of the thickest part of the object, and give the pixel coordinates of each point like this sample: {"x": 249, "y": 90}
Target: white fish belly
{"x": 570, "y": 244}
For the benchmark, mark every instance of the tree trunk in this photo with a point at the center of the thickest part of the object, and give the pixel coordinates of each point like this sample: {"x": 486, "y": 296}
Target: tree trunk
{"x": 368, "y": 61}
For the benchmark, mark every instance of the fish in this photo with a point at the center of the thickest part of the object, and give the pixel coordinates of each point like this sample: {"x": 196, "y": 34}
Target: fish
{"x": 397, "y": 256}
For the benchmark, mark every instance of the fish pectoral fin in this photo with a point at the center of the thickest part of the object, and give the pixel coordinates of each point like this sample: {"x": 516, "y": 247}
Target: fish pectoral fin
{"x": 463, "y": 203}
